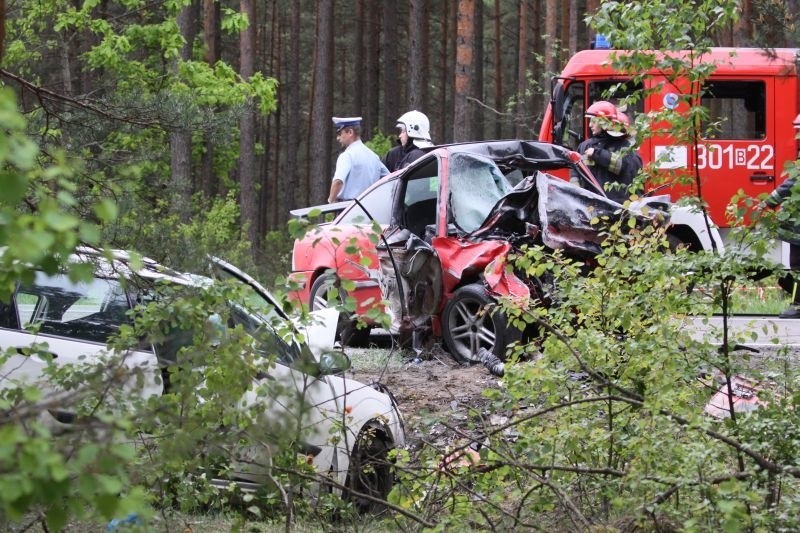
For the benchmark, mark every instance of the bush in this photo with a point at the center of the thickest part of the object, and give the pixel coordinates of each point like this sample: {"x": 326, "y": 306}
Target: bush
{"x": 605, "y": 414}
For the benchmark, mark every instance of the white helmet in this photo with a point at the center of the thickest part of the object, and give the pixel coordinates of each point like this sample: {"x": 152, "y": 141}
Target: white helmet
{"x": 418, "y": 128}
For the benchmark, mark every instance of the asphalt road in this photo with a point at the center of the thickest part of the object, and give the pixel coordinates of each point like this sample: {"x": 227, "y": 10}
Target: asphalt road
{"x": 766, "y": 329}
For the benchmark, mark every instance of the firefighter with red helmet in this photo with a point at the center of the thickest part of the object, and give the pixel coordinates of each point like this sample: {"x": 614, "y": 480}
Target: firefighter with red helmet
{"x": 791, "y": 234}
{"x": 609, "y": 152}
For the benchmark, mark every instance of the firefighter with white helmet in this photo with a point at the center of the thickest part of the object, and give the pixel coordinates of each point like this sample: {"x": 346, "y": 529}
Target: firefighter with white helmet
{"x": 609, "y": 152}
{"x": 789, "y": 232}
{"x": 414, "y": 134}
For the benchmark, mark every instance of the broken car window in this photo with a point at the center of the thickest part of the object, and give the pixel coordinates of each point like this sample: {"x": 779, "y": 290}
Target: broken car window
{"x": 476, "y": 184}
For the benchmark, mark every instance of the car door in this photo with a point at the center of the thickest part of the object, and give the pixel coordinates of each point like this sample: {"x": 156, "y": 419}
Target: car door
{"x": 291, "y": 406}
{"x": 298, "y": 407}
{"x": 70, "y": 324}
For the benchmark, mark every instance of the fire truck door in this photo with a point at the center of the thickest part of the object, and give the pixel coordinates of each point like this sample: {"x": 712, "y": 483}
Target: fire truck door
{"x": 737, "y": 147}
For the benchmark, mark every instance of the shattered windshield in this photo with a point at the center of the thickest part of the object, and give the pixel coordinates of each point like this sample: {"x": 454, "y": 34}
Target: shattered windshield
{"x": 476, "y": 184}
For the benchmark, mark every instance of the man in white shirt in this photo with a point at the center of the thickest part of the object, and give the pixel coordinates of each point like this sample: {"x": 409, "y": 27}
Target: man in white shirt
{"x": 357, "y": 167}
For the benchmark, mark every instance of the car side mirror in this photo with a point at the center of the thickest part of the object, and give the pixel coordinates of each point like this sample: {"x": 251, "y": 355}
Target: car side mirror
{"x": 333, "y": 362}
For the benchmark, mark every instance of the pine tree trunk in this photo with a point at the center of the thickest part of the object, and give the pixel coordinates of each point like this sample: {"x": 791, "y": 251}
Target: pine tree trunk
{"x": 425, "y": 57}
{"x": 273, "y": 207}
{"x": 742, "y": 32}
{"x": 464, "y": 69}
{"x": 439, "y": 127}
{"x": 498, "y": 70}
{"x": 416, "y": 75}
{"x": 298, "y": 188}
{"x": 522, "y": 69}
{"x": 322, "y": 108}
{"x": 476, "y": 128}
{"x": 563, "y": 34}
{"x": 372, "y": 68}
{"x": 451, "y": 69}
{"x": 248, "y": 192}
{"x": 591, "y": 8}
{"x": 573, "y": 27}
{"x": 66, "y": 64}
{"x": 551, "y": 30}
{"x": 536, "y": 102}
{"x": 358, "y": 48}
{"x": 391, "y": 38}
{"x": 208, "y": 183}
{"x": 180, "y": 139}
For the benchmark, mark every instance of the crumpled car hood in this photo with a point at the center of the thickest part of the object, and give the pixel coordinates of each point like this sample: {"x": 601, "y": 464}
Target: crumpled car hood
{"x": 558, "y": 214}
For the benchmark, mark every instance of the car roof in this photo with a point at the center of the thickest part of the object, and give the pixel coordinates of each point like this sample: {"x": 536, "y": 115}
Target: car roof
{"x": 508, "y": 152}
{"x": 115, "y": 263}
{"x": 516, "y": 151}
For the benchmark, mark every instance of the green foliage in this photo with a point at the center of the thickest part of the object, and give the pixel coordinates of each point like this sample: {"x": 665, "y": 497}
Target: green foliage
{"x": 380, "y": 143}
{"x": 605, "y": 425}
{"x": 234, "y": 21}
{"x": 127, "y": 452}
{"x": 629, "y": 26}
{"x": 148, "y": 93}
{"x": 215, "y": 230}
{"x": 61, "y": 477}
{"x": 604, "y": 416}
{"x": 673, "y": 48}
{"x": 276, "y": 258}
{"x": 120, "y": 455}
{"x": 37, "y": 228}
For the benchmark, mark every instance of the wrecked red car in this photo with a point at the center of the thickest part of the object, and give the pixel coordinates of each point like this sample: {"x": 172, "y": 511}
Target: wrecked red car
{"x": 437, "y": 258}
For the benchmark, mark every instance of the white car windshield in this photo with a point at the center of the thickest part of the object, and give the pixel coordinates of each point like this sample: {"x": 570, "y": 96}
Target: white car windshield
{"x": 255, "y": 303}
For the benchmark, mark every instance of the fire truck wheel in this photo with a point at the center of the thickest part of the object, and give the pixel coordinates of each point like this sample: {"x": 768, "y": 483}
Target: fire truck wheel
{"x": 347, "y": 330}
{"x": 470, "y": 321}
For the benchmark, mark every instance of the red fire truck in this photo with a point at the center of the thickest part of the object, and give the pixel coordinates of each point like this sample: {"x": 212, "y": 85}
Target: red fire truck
{"x": 752, "y": 93}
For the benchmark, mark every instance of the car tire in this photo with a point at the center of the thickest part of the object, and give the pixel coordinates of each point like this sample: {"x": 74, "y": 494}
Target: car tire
{"x": 347, "y": 330}
{"x": 370, "y": 471}
{"x": 675, "y": 243}
{"x": 468, "y": 325}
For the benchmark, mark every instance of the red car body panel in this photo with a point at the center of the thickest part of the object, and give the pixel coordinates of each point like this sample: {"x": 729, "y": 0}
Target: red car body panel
{"x": 347, "y": 250}
{"x": 460, "y": 256}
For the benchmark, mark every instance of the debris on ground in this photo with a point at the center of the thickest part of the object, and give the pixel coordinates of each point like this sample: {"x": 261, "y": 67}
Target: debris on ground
{"x": 493, "y": 363}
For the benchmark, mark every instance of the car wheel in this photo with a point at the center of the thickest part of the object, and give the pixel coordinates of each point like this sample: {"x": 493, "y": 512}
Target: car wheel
{"x": 347, "y": 330}
{"x": 676, "y": 243}
{"x": 370, "y": 471}
{"x": 469, "y": 324}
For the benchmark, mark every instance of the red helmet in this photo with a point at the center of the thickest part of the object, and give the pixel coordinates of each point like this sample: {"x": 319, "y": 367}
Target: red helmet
{"x": 613, "y": 121}
{"x": 601, "y": 108}
{"x": 796, "y": 121}
{"x": 623, "y": 119}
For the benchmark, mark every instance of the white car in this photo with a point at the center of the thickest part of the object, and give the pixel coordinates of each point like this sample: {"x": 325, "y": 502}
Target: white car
{"x": 347, "y": 427}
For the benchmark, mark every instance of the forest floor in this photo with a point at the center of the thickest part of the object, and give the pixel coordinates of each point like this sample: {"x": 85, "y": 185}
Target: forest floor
{"x": 431, "y": 390}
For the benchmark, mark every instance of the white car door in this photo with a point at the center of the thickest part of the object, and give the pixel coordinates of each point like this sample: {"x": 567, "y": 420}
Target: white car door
{"x": 292, "y": 406}
{"x": 297, "y": 406}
